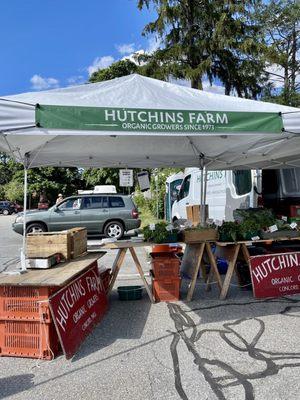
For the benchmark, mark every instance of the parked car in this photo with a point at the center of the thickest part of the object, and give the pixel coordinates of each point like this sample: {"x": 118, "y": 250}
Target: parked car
{"x": 8, "y": 207}
{"x": 108, "y": 214}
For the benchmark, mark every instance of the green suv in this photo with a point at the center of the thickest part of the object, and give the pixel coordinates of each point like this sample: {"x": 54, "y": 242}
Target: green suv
{"x": 111, "y": 215}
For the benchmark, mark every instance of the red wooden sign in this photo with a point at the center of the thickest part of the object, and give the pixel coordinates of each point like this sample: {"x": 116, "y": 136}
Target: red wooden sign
{"x": 275, "y": 275}
{"x": 77, "y": 308}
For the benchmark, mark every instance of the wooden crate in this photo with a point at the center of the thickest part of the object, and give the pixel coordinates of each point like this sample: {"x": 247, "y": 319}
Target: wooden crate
{"x": 78, "y": 241}
{"x": 196, "y": 236}
{"x": 194, "y": 214}
{"x": 70, "y": 243}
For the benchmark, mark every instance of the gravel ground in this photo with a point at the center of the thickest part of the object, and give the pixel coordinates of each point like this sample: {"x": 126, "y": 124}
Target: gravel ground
{"x": 207, "y": 349}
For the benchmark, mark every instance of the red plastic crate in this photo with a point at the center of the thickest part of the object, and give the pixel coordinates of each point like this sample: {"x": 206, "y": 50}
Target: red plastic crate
{"x": 165, "y": 265}
{"x": 166, "y": 289}
{"x": 28, "y": 339}
{"x": 25, "y": 303}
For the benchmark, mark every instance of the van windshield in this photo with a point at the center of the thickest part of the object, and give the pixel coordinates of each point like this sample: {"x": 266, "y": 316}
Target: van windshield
{"x": 242, "y": 181}
{"x": 290, "y": 181}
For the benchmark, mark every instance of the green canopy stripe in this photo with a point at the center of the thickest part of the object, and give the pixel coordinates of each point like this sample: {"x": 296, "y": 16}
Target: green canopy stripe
{"x": 155, "y": 120}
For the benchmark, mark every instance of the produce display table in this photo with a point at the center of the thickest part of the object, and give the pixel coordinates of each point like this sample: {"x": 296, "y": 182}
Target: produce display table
{"x": 27, "y": 328}
{"x": 122, "y": 246}
{"x": 232, "y": 251}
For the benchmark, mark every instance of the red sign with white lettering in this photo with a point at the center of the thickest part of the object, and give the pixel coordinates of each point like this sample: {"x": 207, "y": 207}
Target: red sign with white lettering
{"x": 77, "y": 308}
{"x": 275, "y": 275}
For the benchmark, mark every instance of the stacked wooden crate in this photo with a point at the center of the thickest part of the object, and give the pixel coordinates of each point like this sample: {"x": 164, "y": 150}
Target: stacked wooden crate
{"x": 71, "y": 243}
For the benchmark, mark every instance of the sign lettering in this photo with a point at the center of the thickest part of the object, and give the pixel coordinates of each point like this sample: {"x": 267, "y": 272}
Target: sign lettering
{"x": 275, "y": 275}
{"x": 77, "y": 308}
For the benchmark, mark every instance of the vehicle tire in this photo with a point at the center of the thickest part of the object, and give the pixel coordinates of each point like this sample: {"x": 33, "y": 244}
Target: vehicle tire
{"x": 5, "y": 212}
{"x": 114, "y": 229}
{"x": 35, "y": 227}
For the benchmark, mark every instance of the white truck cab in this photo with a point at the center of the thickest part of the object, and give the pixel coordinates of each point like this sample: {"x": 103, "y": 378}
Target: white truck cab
{"x": 226, "y": 191}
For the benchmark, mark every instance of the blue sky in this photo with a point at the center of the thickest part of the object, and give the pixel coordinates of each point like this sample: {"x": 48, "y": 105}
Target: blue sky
{"x": 50, "y": 43}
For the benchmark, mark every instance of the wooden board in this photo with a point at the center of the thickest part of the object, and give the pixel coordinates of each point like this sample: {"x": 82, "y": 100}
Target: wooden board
{"x": 120, "y": 244}
{"x": 246, "y": 242}
{"x": 55, "y": 276}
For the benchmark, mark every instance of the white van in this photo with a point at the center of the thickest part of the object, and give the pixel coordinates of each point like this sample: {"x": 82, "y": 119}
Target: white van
{"x": 226, "y": 191}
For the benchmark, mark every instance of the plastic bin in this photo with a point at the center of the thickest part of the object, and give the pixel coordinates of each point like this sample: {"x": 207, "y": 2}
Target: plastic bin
{"x": 28, "y": 339}
{"x": 130, "y": 292}
{"x": 25, "y": 303}
{"x": 166, "y": 289}
{"x": 165, "y": 265}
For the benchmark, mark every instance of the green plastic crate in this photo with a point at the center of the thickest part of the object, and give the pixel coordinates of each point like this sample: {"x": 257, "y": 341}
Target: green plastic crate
{"x": 130, "y": 292}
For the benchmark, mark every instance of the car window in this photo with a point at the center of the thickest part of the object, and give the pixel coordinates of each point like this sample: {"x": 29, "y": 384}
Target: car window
{"x": 116, "y": 202}
{"x": 70, "y": 204}
{"x": 185, "y": 187}
{"x": 94, "y": 202}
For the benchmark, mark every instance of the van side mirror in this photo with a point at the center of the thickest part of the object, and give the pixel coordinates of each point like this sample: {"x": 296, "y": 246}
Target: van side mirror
{"x": 56, "y": 209}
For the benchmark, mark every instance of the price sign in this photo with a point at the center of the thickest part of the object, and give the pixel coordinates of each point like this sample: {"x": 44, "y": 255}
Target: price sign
{"x": 126, "y": 177}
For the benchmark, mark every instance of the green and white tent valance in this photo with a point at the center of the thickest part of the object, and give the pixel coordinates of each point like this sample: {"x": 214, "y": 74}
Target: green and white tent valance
{"x": 136, "y": 121}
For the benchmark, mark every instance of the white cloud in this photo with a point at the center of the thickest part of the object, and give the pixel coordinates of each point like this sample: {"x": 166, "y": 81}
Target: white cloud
{"x": 76, "y": 80}
{"x": 100, "y": 63}
{"x": 153, "y": 44}
{"x": 276, "y": 75}
{"x": 126, "y": 48}
{"x": 40, "y": 83}
{"x": 206, "y": 85}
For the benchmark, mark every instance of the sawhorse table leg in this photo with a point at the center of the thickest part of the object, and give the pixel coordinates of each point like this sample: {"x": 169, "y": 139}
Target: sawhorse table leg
{"x": 140, "y": 271}
{"x": 231, "y": 266}
{"x": 195, "y": 272}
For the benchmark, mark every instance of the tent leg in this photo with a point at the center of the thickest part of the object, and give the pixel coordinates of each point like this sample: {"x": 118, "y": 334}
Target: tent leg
{"x": 23, "y": 250}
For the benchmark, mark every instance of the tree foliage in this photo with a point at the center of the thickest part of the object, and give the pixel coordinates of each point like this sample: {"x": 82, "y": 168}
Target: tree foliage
{"x": 280, "y": 20}
{"x": 115, "y": 70}
{"x": 207, "y": 38}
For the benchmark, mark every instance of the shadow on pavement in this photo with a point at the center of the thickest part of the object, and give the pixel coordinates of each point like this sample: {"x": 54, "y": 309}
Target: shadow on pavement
{"x": 15, "y": 384}
{"x": 124, "y": 320}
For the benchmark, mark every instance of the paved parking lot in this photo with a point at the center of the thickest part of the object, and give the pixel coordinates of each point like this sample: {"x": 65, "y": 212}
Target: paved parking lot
{"x": 207, "y": 349}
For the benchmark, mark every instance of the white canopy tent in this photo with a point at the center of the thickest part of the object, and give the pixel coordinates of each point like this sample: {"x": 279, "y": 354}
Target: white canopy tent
{"x": 249, "y": 143}
{"x": 141, "y": 122}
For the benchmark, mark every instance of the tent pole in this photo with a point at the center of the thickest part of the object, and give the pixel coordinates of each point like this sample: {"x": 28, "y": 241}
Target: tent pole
{"x": 204, "y": 198}
{"x": 201, "y": 159}
{"x": 23, "y": 250}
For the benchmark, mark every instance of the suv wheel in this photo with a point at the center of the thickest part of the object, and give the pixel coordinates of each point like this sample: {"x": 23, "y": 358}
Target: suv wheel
{"x": 35, "y": 227}
{"x": 5, "y": 212}
{"x": 114, "y": 229}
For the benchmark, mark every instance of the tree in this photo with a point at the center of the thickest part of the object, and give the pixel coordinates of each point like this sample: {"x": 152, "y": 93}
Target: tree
{"x": 281, "y": 22}
{"x": 211, "y": 37}
{"x": 115, "y": 70}
{"x": 100, "y": 176}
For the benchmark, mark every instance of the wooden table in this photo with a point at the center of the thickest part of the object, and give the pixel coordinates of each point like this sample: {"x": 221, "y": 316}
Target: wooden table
{"x": 199, "y": 249}
{"x": 122, "y": 246}
{"x": 59, "y": 275}
{"x": 234, "y": 249}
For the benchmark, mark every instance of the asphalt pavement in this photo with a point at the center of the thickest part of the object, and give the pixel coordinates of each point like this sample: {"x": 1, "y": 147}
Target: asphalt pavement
{"x": 208, "y": 349}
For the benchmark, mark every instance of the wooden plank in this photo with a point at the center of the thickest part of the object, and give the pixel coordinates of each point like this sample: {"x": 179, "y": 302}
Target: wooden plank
{"x": 55, "y": 276}
{"x": 195, "y": 273}
{"x": 116, "y": 266}
{"x": 231, "y": 266}
{"x": 141, "y": 272}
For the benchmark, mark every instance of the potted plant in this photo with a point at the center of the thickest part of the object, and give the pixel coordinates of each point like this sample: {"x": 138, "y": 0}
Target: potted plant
{"x": 160, "y": 233}
{"x": 248, "y": 229}
{"x": 228, "y": 231}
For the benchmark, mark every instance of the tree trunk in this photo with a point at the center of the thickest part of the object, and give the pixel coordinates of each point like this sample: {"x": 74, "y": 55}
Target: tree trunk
{"x": 196, "y": 83}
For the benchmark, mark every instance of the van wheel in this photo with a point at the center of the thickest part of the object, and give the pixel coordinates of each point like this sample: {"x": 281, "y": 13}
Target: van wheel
{"x": 35, "y": 227}
{"x": 5, "y": 212}
{"x": 114, "y": 229}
